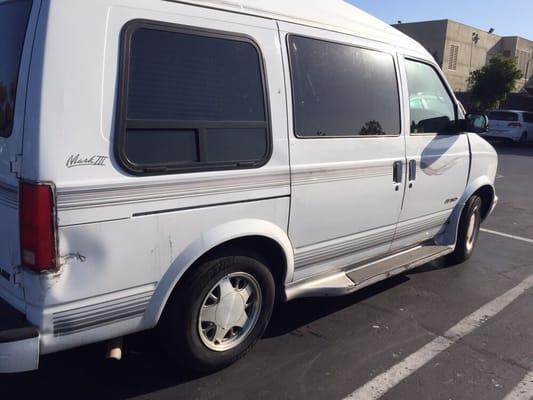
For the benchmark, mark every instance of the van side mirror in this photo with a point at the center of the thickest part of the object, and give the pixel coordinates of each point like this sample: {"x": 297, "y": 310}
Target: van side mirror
{"x": 477, "y": 123}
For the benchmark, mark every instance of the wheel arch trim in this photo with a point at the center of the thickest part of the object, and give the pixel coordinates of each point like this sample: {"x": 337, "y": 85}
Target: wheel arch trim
{"x": 213, "y": 238}
{"x": 449, "y": 237}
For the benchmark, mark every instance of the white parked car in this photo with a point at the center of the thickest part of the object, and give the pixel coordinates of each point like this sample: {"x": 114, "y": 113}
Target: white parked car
{"x": 183, "y": 164}
{"x": 510, "y": 125}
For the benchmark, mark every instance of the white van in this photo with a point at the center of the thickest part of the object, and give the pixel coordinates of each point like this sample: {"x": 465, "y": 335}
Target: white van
{"x": 183, "y": 164}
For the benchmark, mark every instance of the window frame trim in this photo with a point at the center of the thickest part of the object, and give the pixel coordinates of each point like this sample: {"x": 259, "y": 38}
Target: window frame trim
{"x": 123, "y": 123}
{"x": 446, "y": 87}
{"x": 291, "y": 72}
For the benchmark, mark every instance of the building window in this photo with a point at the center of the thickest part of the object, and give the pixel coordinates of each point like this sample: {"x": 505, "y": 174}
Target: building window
{"x": 190, "y": 100}
{"x": 454, "y": 55}
{"x": 522, "y": 59}
{"x": 342, "y": 91}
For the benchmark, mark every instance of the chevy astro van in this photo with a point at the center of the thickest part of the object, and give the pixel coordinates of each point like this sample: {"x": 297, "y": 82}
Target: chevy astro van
{"x": 185, "y": 164}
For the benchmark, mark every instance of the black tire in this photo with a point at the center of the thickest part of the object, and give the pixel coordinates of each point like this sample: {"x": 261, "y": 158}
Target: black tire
{"x": 180, "y": 323}
{"x": 523, "y": 138}
{"x": 466, "y": 241}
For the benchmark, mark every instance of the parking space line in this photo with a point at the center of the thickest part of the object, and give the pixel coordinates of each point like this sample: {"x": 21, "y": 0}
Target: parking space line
{"x": 524, "y": 389}
{"x": 384, "y": 382}
{"x": 523, "y": 239}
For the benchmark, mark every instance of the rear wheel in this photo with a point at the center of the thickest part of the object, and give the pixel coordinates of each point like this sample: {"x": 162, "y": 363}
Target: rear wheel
{"x": 523, "y": 138}
{"x": 468, "y": 232}
{"x": 219, "y": 312}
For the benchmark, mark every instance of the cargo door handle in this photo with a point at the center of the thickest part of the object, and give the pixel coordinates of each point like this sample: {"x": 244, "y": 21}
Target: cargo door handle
{"x": 412, "y": 172}
{"x": 397, "y": 172}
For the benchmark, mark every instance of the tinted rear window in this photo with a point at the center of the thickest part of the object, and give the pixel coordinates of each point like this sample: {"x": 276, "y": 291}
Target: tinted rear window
{"x": 342, "y": 90}
{"x": 503, "y": 116}
{"x": 194, "y": 101}
{"x": 180, "y": 76}
{"x": 14, "y": 17}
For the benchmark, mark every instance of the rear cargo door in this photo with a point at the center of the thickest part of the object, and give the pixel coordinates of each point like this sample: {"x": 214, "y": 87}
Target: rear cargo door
{"x": 17, "y": 22}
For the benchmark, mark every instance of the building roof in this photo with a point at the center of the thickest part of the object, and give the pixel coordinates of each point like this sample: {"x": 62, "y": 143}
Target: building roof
{"x": 335, "y": 15}
{"x": 451, "y": 21}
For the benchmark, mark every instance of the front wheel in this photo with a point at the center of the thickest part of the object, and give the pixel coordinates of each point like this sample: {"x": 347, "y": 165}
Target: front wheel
{"x": 468, "y": 232}
{"x": 219, "y": 312}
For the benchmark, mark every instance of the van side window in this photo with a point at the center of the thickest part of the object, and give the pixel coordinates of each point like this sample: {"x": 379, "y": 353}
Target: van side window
{"x": 191, "y": 100}
{"x": 14, "y": 18}
{"x": 432, "y": 110}
{"x": 342, "y": 90}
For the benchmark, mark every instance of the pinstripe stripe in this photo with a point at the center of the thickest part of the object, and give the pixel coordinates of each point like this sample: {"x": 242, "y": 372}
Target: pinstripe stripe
{"x": 198, "y": 185}
{"x": 102, "y": 196}
{"x": 307, "y": 175}
{"x": 355, "y": 243}
{"x": 102, "y": 314}
{"x": 414, "y": 227}
{"x": 345, "y": 247}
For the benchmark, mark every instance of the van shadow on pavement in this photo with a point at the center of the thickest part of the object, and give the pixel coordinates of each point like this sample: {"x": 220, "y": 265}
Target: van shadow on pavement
{"x": 83, "y": 373}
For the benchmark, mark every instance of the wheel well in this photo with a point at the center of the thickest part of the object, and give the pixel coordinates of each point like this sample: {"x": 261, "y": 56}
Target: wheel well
{"x": 265, "y": 249}
{"x": 486, "y": 193}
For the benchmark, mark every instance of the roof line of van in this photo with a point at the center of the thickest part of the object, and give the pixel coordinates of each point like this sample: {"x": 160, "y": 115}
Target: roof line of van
{"x": 332, "y": 15}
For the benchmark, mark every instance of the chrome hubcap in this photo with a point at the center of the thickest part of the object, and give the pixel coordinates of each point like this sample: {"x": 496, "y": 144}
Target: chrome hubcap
{"x": 229, "y": 311}
{"x": 471, "y": 232}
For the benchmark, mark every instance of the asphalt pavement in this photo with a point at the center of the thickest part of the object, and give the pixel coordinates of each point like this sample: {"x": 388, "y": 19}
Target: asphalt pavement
{"x": 437, "y": 332}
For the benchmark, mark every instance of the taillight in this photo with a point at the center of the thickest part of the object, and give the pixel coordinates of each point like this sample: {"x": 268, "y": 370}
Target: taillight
{"x": 514, "y": 125}
{"x": 37, "y": 230}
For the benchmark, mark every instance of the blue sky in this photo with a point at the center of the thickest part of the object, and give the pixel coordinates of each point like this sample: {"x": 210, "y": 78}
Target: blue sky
{"x": 508, "y": 17}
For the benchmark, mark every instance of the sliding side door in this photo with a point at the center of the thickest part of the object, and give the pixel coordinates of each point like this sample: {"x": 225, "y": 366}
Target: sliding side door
{"x": 347, "y": 148}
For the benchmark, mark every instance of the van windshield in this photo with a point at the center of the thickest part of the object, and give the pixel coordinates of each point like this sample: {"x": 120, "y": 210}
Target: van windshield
{"x": 14, "y": 16}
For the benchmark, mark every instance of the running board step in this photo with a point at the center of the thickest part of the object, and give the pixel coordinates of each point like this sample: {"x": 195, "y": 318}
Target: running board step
{"x": 339, "y": 283}
{"x": 397, "y": 263}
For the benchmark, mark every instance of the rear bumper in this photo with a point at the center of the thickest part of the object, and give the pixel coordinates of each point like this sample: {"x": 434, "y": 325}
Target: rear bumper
{"x": 19, "y": 341}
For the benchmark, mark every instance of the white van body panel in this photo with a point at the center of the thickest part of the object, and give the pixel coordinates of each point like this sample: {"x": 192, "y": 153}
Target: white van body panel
{"x": 442, "y": 174}
{"x": 140, "y": 278}
{"x": 483, "y": 169}
{"x": 125, "y": 241}
{"x": 328, "y": 15}
{"x": 484, "y": 161}
{"x": 10, "y": 164}
{"x": 101, "y": 210}
{"x": 90, "y": 76}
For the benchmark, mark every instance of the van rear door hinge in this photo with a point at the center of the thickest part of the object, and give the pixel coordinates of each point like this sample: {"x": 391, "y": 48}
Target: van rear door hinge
{"x": 15, "y": 165}
{"x": 17, "y": 277}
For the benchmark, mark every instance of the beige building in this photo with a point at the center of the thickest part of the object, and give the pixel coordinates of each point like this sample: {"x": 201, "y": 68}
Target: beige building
{"x": 461, "y": 49}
